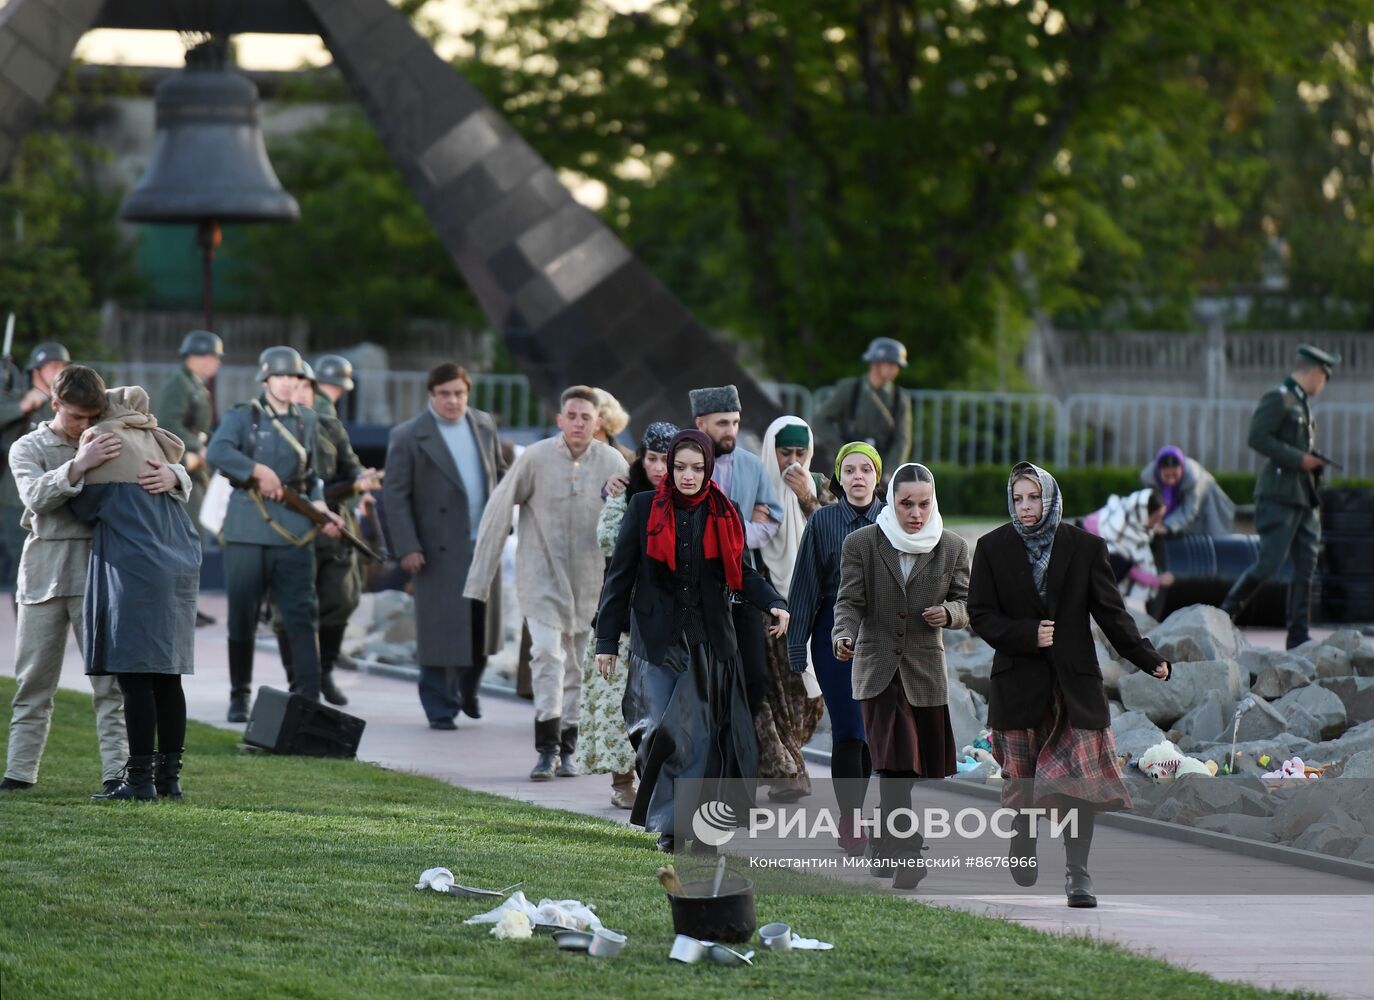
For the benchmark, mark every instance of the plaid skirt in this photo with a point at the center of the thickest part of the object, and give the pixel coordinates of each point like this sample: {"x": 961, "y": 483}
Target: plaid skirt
{"x": 1056, "y": 764}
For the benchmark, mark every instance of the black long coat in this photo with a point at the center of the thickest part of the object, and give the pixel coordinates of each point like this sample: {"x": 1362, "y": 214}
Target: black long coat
{"x": 1005, "y": 609}
{"x": 635, "y": 579}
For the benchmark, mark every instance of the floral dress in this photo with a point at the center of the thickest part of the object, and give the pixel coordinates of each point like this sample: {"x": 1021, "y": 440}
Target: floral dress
{"x": 602, "y": 745}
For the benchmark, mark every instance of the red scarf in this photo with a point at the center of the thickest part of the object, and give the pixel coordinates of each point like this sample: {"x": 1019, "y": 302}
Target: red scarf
{"x": 724, "y": 536}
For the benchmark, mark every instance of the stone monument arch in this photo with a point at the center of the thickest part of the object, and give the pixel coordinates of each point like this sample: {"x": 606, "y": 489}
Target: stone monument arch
{"x": 571, "y": 301}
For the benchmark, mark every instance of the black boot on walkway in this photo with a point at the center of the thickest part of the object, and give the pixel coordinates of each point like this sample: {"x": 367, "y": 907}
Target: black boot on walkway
{"x": 546, "y": 736}
{"x": 137, "y": 785}
{"x": 1078, "y": 884}
{"x": 1240, "y": 595}
{"x": 567, "y": 747}
{"x": 1021, "y": 852}
{"x": 331, "y": 641}
{"x": 469, "y": 682}
{"x": 240, "y": 679}
{"x": 305, "y": 664}
{"x": 284, "y": 651}
{"x": 166, "y": 774}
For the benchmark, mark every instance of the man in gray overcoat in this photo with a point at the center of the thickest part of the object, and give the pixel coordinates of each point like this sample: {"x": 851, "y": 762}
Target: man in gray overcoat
{"x": 441, "y": 468}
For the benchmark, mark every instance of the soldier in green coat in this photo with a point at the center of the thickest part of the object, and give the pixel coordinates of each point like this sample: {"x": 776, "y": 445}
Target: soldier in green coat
{"x": 184, "y": 407}
{"x": 870, "y": 408}
{"x": 1286, "y": 494}
{"x": 22, "y": 410}
{"x": 262, "y": 446}
{"x": 338, "y": 571}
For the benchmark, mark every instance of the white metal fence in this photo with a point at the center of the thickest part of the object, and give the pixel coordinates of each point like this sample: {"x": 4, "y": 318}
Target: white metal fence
{"x": 966, "y": 428}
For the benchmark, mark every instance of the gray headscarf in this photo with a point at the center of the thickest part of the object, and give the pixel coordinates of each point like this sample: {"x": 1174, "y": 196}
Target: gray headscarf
{"x": 1039, "y": 538}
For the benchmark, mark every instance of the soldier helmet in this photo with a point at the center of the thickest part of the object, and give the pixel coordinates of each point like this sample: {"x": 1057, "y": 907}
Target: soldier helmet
{"x": 334, "y": 369}
{"x": 309, "y": 373}
{"x": 49, "y": 350}
{"x": 279, "y": 361}
{"x": 885, "y": 349}
{"x": 201, "y": 342}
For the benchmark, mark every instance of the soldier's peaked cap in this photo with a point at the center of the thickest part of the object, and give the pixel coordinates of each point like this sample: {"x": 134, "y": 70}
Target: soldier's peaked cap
{"x": 1326, "y": 359}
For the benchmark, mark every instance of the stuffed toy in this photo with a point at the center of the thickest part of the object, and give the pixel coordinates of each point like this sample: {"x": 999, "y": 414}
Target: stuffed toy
{"x": 1293, "y": 769}
{"x": 974, "y": 755}
{"x": 1164, "y": 762}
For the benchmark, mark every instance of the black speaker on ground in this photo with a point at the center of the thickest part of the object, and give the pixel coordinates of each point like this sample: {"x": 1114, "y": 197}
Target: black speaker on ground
{"x": 289, "y": 724}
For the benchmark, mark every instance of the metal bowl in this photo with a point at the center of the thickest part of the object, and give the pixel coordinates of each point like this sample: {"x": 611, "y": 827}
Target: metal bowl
{"x": 572, "y": 940}
{"x": 723, "y": 955}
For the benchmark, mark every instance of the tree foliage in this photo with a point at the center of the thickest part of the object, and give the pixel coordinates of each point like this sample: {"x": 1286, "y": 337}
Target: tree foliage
{"x": 810, "y": 175}
{"x": 363, "y": 252}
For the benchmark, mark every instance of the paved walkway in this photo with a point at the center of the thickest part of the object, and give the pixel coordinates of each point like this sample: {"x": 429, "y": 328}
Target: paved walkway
{"x": 1317, "y": 941}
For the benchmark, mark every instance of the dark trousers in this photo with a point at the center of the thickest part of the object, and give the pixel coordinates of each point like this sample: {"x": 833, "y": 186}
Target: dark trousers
{"x": 1284, "y": 531}
{"x": 442, "y": 689}
{"x": 287, "y": 572}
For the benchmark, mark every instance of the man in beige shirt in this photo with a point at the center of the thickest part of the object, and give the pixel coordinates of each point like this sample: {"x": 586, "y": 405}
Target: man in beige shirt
{"x": 558, "y": 565}
{"x": 49, "y": 465}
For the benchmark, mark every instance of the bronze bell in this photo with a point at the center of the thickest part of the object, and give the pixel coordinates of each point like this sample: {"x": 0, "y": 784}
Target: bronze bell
{"x": 209, "y": 163}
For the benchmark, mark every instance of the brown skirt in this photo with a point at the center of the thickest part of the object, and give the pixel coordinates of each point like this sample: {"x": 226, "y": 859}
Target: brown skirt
{"x": 904, "y": 737}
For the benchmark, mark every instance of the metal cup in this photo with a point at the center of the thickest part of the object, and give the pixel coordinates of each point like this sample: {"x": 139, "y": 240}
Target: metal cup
{"x": 606, "y": 943}
{"x": 775, "y": 937}
{"x": 687, "y": 949}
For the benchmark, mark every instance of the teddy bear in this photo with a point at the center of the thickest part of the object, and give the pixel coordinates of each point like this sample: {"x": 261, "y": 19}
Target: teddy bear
{"x": 1165, "y": 762}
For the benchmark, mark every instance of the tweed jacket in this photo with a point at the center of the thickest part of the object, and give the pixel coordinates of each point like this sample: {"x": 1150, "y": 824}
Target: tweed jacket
{"x": 881, "y": 612}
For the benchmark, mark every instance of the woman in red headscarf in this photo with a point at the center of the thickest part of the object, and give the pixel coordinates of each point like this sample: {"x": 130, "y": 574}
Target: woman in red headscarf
{"x": 677, "y": 567}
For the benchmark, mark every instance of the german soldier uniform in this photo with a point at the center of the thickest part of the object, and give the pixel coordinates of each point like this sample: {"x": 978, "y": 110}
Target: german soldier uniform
{"x": 14, "y": 424}
{"x": 1287, "y": 498}
{"x": 185, "y": 408}
{"x": 856, "y": 411}
{"x": 268, "y": 547}
{"x": 338, "y": 571}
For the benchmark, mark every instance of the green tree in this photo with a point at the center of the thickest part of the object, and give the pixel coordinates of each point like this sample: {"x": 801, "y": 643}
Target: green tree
{"x": 363, "y": 252}
{"x": 810, "y": 175}
{"x": 61, "y": 252}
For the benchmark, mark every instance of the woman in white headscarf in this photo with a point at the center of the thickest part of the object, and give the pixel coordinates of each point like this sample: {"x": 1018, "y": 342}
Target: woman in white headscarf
{"x": 792, "y": 706}
{"x": 903, "y": 581}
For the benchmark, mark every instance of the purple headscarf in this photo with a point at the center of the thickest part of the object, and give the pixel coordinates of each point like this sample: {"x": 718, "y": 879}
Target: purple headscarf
{"x": 1169, "y": 494}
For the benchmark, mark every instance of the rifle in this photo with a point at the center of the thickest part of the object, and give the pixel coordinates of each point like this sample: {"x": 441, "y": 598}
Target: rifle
{"x": 7, "y": 356}
{"x": 342, "y": 491}
{"x": 301, "y": 505}
{"x": 1328, "y": 460}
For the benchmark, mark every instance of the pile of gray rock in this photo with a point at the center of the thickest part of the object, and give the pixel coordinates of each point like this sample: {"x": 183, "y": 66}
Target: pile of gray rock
{"x": 1315, "y": 702}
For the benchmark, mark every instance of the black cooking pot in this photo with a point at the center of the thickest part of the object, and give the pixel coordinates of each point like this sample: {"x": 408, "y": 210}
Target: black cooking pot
{"x": 727, "y": 917}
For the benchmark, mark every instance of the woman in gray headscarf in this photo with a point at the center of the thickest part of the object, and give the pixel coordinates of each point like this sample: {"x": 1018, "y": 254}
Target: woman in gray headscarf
{"x": 1036, "y": 587}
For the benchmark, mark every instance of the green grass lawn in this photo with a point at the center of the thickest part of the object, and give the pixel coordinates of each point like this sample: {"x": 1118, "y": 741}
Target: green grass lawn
{"x": 293, "y": 877}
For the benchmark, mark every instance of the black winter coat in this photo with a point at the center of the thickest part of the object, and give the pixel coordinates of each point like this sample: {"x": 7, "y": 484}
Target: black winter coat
{"x": 1005, "y": 609}
{"x": 635, "y": 580}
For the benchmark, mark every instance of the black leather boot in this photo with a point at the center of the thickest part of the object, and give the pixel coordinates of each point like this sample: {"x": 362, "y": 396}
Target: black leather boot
{"x": 305, "y": 664}
{"x": 1239, "y": 596}
{"x": 567, "y": 747}
{"x": 166, "y": 774}
{"x": 1078, "y": 884}
{"x": 284, "y": 651}
{"x": 1021, "y": 852}
{"x": 546, "y": 736}
{"x": 910, "y": 870}
{"x": 137, "y": 785}
{"x": 240, "y": 679}
{"x": 331, "y": 641}
{"x": 1299, "y": 612}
